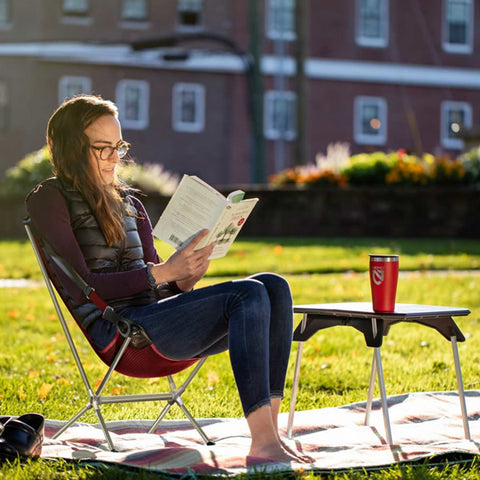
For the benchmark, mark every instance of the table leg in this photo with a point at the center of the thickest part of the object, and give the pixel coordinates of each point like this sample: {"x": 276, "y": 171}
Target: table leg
{"x": 371, "y": 386}
{"x": 293, "y": 400}
{"x": 383, "y": 396}
{"x": 461, "y": 391}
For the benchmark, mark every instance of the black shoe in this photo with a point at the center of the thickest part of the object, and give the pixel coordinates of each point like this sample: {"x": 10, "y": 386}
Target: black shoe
{"x": 21, "y": 437}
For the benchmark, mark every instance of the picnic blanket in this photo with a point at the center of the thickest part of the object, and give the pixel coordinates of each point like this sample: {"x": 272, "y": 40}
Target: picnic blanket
{"x": 424, "y": 425}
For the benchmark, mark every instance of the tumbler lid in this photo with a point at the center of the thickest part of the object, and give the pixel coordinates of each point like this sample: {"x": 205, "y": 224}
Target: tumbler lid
{"x": 374, "y": 257}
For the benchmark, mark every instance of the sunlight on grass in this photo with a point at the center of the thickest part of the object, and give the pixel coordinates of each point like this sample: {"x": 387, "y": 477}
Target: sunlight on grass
{"x": 38, "y": 374}
{"x": 295, "y": 256}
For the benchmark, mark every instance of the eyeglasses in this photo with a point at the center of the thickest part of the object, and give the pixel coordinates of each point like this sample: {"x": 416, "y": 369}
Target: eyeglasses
{"x": 106, "y": 153}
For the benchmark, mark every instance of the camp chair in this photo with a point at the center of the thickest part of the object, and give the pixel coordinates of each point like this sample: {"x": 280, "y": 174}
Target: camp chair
{"x": 131, "y": 353}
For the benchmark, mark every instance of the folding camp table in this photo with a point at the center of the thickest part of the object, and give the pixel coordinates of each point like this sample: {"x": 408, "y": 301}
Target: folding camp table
{"x": 374, "y": 327}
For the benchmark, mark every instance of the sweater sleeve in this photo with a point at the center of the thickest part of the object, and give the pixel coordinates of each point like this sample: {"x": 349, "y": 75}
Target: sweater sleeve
{"x": 48, "y": 210}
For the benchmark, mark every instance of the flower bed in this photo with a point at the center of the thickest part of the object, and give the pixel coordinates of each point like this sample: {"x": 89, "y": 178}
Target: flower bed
{"x": 381, "y": 168}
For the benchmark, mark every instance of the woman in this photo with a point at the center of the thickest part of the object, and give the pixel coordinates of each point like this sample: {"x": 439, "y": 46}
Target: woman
{"x": 90, "y": 219}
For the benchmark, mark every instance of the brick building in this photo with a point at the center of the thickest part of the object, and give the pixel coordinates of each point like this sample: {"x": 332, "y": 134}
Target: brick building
{"x": 230, "y": 104}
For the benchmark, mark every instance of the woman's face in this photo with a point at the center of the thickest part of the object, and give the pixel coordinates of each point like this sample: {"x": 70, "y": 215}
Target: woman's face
{"x": 105, "y": 136}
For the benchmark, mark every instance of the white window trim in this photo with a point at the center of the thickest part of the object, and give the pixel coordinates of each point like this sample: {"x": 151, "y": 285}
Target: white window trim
{"x": 199, "y": 124}
{"x": 141, "y": 123}
{"x": 368, "y": 41}
{"x": 366, "y": 139}
{"x": 447, "y": 105}
{"x": 269, "y": 131}
{"x": 8, "y": 24}
{"x": 65, "y": 80}
{"x": 464, "y": 49}
{"x": 80, "y": 18}
{"x": 274, "y": 34}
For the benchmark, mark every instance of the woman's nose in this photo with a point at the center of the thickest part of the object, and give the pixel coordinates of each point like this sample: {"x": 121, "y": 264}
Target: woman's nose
{"x": 114, "y": 157}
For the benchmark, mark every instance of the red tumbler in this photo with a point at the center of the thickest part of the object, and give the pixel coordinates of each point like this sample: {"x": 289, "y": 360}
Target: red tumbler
{"x": 383, "y": 282}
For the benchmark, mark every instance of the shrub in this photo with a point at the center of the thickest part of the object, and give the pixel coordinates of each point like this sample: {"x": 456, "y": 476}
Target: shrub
{"x": 393, "y": 168}
{"x": 307, "y": 175}
{"x": 369, "y": 168}
{"x": 471, "y": 164}
{"x": 28, "y": 172}
{"x": 37, "y": 166}
{"x": 149, "y": 178}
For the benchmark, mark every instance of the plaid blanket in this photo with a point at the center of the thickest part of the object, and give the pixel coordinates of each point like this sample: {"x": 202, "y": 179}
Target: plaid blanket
{"x": 424, "y": 425}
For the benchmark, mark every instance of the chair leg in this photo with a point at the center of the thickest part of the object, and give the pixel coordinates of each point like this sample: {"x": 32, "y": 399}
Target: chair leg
{"x": 72, "y": 420}
{"x": 293, "y": 399}
{"x": 197, "y": 426}
{"x": 176, "y": 394}
{"x": 461, "y": 391}
{"x": 106, "y": 433}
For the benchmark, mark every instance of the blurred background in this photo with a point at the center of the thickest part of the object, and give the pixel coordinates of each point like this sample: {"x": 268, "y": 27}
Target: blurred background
{"x": 236, "y": 91}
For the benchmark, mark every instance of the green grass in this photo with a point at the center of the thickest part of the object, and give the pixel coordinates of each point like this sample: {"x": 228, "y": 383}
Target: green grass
{"x": 37, "y": 373}
{"x": 296, "y": 256}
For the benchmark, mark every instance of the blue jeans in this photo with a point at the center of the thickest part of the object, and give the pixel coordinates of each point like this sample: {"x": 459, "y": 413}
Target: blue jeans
{"x": 252, "y": 318}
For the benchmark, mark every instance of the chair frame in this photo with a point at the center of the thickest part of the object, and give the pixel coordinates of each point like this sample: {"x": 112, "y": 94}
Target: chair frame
{"x": 95, "y": 399}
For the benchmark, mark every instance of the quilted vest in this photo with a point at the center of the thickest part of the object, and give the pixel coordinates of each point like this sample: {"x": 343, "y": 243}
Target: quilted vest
{"x": 99, "y": 256}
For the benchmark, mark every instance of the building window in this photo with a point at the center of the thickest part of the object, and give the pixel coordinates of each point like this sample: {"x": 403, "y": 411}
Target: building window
{"x": 280, "y": 19}
{"x": 188, "y": 107}
{"x": 135, "y": 10}
{"x": 280, "y": 115}
{"x": 76, "y": 7}
{"x": 372, "y": 23}
{"x": 4, "y": 110}
{"x": 190, "y": 14}
{"x": 5, "y": 12}
{"x": 132, "y": 98}
{"x": 70, "y": 86}
{"x": 458, "y": 26}
{"x": 370, "y": 120}
{"x": 455, "y": 118}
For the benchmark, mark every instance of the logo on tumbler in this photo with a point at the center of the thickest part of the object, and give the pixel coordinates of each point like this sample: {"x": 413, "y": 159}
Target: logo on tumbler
{"x": 378, "y": 275}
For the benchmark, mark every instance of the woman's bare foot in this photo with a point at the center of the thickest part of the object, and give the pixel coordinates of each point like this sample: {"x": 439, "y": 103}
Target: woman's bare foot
{"x": 300, "y": 457}
{"x": 266, "y": 442}
{"x": 272, "y": 453}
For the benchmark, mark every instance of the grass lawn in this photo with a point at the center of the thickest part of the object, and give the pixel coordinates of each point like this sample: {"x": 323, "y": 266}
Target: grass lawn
{"x": 37, "y": 374}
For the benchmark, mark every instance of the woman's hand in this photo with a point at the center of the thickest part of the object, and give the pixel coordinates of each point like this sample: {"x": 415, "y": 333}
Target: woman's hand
{"x": 186, "y": 266}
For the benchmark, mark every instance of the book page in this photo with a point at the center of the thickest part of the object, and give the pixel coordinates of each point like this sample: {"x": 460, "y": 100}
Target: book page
{"x": 228, "y": 226}
{"x": 193, "y": 207}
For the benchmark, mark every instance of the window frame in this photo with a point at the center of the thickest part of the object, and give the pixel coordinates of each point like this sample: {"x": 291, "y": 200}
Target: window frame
{"x": 66, "y": 79}
{"x": 269, "y": 130}
{"x": 198, "y": 125}
{"x": 182, "y": 27}
{"x": 465, "y": 48}
{"x": 134, "y": 19}
{"x": 452, "y": 143}
{"x": 8, "y": 18}
{"x": 75, "y": 12}
{"x": 143, "y": 119}
{"x": 384, "y": 17}
{"x": 274, "y": 33}
{"x": 362, "y": 138}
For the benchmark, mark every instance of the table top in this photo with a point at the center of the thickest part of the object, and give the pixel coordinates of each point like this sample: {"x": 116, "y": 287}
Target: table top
{"x": 364, "y": 309}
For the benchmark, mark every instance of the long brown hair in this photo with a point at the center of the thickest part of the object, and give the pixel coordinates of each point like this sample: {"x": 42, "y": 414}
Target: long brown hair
{"x": 69, "y": 147}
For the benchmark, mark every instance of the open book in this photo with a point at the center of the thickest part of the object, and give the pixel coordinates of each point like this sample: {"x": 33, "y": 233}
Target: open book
{"x": 195, "y": 205}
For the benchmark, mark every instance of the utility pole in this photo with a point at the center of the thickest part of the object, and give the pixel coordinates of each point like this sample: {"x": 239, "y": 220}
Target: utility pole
{"x": 301, "y": 27}
{"x": 258, "y": 154}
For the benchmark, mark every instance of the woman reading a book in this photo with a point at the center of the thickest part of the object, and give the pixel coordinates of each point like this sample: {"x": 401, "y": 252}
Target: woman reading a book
{"x": 92, "y": 221}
